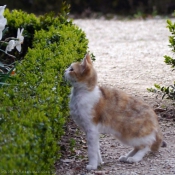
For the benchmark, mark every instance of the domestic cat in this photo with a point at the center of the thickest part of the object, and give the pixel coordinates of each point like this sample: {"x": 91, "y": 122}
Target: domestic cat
{"x": 100, "y": 109}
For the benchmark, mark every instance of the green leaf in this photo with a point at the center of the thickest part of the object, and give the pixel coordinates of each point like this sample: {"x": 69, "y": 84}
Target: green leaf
{"x": 4, "y": 77}
{"x": 157, "y": 86}
{"x": 169, "y": 22}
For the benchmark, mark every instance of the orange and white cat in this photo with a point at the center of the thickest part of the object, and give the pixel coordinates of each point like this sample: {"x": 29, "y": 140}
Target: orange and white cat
{"x": 100, "y": 109}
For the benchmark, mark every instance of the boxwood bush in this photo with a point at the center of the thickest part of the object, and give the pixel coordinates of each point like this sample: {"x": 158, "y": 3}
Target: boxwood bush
{"x": 34, "y": 106}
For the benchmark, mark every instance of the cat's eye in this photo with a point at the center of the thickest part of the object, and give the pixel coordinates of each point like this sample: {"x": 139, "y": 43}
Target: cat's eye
{"x": 71, "y": 69}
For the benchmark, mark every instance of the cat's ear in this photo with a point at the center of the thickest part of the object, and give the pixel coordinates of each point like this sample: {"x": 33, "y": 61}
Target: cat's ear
{"x": 86, "y": 62}
{"x": 88, "y": 58}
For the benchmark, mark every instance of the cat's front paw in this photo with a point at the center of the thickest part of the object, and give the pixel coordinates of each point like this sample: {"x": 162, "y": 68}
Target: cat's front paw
{"x": 123, "y": 159}
{"x": 131, "y": 160}
{"x": 91, "y": 167}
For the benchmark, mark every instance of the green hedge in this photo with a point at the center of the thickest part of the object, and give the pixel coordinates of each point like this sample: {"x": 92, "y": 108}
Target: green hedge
{"x": 34, "y": 107}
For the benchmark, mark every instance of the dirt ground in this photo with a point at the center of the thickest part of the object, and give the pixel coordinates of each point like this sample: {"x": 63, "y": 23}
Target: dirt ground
{"x": 129, "y": 56}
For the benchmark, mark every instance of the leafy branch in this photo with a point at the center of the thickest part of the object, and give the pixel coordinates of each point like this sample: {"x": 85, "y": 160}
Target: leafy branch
{"x": 169, "y": 91}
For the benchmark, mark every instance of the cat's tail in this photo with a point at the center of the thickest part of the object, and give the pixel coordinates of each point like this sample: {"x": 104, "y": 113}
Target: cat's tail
{"x": 164, "y": 144}
{"x": 159, "y": 142}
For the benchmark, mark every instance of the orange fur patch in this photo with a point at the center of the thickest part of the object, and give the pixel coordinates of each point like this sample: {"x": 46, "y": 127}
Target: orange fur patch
{"x": 131, "y": 117}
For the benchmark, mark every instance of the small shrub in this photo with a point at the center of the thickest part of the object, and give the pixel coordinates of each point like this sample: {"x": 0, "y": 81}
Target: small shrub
{"x": 168, "y": 91}
{"x": 34, "y": 107}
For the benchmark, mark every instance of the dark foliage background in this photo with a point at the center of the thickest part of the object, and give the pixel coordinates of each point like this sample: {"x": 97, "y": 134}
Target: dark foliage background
{"x": 124, "y": 7}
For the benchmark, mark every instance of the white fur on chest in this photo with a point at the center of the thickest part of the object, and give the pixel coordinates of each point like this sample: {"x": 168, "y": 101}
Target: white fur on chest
{"x": 81, "y": 104}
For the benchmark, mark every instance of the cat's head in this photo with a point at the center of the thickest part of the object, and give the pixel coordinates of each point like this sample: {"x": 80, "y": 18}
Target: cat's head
{"x": 82, "y": 74}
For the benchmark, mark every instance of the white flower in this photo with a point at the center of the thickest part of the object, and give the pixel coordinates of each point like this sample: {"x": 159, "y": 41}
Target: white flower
{"x": 10, "y": 46}
{"x": 2, "y": 10}
{"x": 15, "y": 43}
{"x": 20, "y": 40}
{"x": 3, "y": 21}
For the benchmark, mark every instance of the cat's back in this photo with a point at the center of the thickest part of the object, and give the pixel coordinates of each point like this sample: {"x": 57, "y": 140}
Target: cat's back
{"x": 124, "y": 113}
{"x": 123, "y": 103}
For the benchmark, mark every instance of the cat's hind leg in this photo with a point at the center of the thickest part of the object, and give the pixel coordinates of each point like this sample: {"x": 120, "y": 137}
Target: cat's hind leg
{"x": 158, "y": 142}
{"x": 130, "y": 154}
{"x": 138, "y": 155}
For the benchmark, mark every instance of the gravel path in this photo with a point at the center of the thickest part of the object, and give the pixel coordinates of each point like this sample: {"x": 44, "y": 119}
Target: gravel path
{"x": 129, "y": 56}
